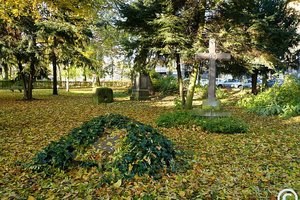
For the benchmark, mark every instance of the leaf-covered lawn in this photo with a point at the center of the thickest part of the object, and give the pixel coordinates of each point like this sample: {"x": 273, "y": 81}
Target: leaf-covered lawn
{"x": 254, "y": 165}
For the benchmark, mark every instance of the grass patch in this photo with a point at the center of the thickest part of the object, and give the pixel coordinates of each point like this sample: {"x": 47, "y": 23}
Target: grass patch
{"x": 121, "y": 94}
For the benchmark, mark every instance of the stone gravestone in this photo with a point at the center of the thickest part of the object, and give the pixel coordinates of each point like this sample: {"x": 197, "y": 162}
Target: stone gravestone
{"x": 141, "y": 87}
{"x": 212, "y": 103}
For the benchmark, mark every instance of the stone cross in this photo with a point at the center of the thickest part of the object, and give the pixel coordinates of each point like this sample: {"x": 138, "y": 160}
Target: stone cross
{"x": 212, "y": 56}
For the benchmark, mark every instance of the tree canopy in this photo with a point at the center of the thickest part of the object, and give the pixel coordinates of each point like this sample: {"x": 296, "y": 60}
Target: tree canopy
{"x": 34, "y": 33}
{"x": 258, "y": 34}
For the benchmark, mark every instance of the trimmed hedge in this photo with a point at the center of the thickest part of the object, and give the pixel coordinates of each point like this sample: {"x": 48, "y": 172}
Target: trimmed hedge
{"x": 143, "y": 150}
{"x": 223, "y": 125}
{"x": 174, "y": 119}
{"x": 214, "y": 124}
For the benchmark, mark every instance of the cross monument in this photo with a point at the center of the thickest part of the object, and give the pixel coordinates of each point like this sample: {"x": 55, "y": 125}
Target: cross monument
{"x": 212, "y": 56}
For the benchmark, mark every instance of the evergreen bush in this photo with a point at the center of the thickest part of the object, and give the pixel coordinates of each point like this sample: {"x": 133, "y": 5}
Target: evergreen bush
{"x": 214, "y": 124}
{"x": 279, "y": 100}
{"x": 223, "y": 125}
{"x": 173, "y": 119}
{"x": 165, "y": 85}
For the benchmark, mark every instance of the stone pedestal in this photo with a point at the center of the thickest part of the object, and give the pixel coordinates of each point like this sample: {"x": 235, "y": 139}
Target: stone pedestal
{"x": 141, "y": 88}
{"x": 211, "y": 104}
{"x": 211, "y": 108}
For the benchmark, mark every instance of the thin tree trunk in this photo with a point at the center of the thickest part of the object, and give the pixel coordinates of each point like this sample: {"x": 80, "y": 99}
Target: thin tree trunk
{"x": 23, "y": 78}
{"x": 67, "y": 80}
{"x": 32, "y": 72}
{"x": 98, "y": 83}
{"x": 54, "y": 62}
{"x": 27, "y": 82}
{"x": 31, "y": 78}
{"x": 5, "y": 68}
{"x": 202, "y": 12}
{"x": 180, "y": 80}
{"x": 84, "y": 74}
{"x": 150, "y": 87}
{"x": 254, "y": 82}
{"x": 191, "y": 89}
{"x": 199, "y": 74}
{"x": 10, "y": 72}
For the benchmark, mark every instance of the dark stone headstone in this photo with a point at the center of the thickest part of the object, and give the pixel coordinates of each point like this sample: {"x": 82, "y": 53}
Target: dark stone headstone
{"x": 141, "y": 88}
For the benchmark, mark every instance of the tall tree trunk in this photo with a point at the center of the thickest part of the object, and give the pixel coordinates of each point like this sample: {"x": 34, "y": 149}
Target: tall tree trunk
{"x": 84, "y": 74}
{"x": 68, "y": 79}
{"x": 32, "y": 71}
{"x": 10, "y": 72}
{"x": 199, "y": 73}
{"x": 254, "y": 82}
{"x": 202, "y": 12}
{"x": 180, "y": 80}
{"x": 191, "y": 89}
{"x": 23, "y": 78}
{"x": 98, "y": 83}
{"x": 54, "y": 62}
{"x": 59, "y": 73}
{"x": 27, "y": 80}
{"x": 150, "y": 86}
{"x": 5, "y": 68}
{"x": 31, "y": 77}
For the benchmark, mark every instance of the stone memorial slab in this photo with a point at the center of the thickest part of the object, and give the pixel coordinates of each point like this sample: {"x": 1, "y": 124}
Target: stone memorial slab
{"x": 141, "y": 88}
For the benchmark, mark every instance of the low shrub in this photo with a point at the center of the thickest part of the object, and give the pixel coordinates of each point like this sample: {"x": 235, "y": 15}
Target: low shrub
{"x": 278, "y": 100}
{"x": 203, "y": 92}
{"x": 174, "y": 119}
{"x": 143, "y": 150}
{"x": 214, "y": 125}
{"x": 223, "y": 125}
{"x": 165, "y": 85}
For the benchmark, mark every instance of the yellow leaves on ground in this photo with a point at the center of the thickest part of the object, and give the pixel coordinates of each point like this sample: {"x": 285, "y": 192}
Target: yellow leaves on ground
{"x": 30, "y": 198}
{"x": 256, "y": 165}
{"x": 118, "y": 183}
{"x": 181, "y": 194}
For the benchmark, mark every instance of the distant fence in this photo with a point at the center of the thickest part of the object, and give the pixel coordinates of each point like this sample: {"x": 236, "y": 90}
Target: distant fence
{"x": 13, "y": 85}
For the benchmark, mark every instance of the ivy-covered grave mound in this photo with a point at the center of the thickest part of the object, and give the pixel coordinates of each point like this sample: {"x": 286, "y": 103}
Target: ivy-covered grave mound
{"x": 140, "y": 148}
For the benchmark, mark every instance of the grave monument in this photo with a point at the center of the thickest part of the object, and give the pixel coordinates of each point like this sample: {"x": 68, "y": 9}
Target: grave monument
{"x": 212, "y": 103}
{"x": 141, "y": 87}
